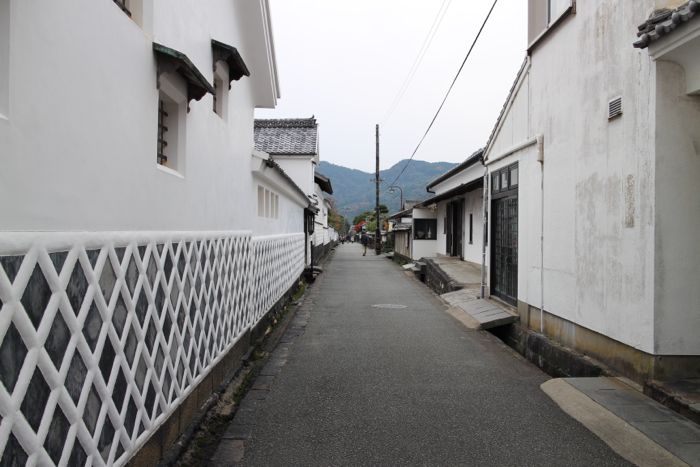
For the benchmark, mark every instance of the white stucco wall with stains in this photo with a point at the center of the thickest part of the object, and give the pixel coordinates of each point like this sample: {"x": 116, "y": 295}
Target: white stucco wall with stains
{"x": 620, "y": 202}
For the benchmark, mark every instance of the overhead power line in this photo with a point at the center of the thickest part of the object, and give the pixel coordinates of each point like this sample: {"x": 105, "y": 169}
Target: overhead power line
{"x": 447, "y": 94}
{"x": 419, "y": 59}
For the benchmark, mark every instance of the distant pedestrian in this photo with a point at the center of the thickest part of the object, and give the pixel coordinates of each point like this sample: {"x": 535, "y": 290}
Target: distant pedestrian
{"x": 364, "y": 239}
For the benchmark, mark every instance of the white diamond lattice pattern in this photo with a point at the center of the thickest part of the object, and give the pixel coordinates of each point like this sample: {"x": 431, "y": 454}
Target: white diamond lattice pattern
{"x": 104, "y": 335}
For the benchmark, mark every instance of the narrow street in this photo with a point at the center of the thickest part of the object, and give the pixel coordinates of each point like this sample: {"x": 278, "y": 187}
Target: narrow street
{"x": 400, "y": 384}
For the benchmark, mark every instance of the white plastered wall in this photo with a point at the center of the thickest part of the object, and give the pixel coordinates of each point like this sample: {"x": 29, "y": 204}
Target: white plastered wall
{"x": 300, "y": 169}
{"x": 89, "y": 98}
{"x": 677, "y": 261}
{"x": 599, "y": 174}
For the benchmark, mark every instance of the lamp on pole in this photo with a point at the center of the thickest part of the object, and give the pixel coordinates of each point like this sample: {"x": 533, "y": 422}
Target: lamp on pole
{"x": 391, "y": 189}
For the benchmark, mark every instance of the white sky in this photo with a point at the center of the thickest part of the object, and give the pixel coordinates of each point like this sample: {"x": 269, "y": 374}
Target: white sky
{"x": 344, "y": 61}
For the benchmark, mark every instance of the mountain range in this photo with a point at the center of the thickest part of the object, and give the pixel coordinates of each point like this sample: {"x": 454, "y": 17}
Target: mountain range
{"x": 354, "y": 192}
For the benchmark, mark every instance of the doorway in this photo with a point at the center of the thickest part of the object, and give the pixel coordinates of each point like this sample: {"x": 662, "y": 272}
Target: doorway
{"x": 504, "y": 234}
{"x": 454, "y": 228}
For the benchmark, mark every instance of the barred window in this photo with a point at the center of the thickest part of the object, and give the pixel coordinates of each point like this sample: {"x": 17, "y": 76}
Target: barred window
{"x": 162, "y": 133}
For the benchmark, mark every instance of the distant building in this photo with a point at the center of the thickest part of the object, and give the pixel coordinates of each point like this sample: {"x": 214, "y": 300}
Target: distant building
{"x": 293, "y": 144}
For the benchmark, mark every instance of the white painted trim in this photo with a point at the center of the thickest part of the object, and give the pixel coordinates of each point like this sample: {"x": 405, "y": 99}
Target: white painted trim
{"x": 20, "y": 242}
{"x": 512, "y": 150}
{"x": 170, "y": 171}
{"x": 677, "y": 38}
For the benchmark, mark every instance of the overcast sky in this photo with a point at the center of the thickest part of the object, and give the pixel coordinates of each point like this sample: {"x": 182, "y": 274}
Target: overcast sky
{"x": 345, "y": 61}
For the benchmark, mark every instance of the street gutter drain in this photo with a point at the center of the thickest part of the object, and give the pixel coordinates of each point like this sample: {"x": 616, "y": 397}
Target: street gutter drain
{"x": 391, "y": 306}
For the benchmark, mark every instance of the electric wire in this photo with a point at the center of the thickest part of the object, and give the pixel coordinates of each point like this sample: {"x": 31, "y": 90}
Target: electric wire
{"x": 418, "y": 60}
{"x": 447, "y": 94}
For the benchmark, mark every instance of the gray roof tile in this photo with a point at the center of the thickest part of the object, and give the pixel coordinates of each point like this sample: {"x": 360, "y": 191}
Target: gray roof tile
{"x": 287, "y": 136}
{"x": 664, "y": 21}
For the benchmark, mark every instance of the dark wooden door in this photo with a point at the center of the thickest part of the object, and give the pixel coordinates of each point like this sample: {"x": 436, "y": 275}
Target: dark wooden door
{"x": 504, "y": 248}
{"x": 448, "y": 229}
{"x": 457, "y": 227}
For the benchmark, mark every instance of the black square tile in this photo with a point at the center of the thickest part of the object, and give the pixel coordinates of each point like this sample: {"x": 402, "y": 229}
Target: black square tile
{"x": 76, "y": 377}
{"x": 36, "y": 296}
{"x": 104, "y": 444}
{"x": 58, "y": 339}
{"x": 77, "y": 287}
{"x": 107, "y": 360}
{"x": 55, "y": 440}
{"x": 92, "y": 326}
{"x": 58, "y": 259}
{"x": 12, "y": 354}
{"x": 92, "y": 410}
{"x": 78, "y": 456}
{"x": 119, "y": 316}
{"x": 11, "y": 265}
{"x": 107, "y": 280}
{"x": 35, "y": 399}
{"x": 14, "y": 455}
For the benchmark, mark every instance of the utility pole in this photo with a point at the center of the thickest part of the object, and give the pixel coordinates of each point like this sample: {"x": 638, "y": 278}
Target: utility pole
{"x": 378, "y": 231}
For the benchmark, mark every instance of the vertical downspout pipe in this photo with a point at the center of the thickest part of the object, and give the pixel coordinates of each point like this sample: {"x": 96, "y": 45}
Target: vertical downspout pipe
{"x": 484, "y": 218}
{"x": 540, "y": 159}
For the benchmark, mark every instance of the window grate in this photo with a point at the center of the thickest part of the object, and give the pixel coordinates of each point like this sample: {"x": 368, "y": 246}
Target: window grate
{"x": 615, "y": 108}
{"x": 162, "y": 130}
{"x": 123, "y": 5}
{"x": 216, "y": 93}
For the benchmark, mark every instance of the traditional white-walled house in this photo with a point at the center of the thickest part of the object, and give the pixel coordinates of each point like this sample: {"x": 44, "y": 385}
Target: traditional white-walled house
{"x": 143, "y": 237}
{"x": 325, "y": 236}
{"x": 593, "y": 193}
{"x": 401, "y": 227}
{"x": 293, "y": 144}
{"x": 458, "y": 203}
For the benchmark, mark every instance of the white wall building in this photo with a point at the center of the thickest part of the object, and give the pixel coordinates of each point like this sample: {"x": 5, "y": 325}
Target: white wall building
{"x": 457, "y": 201}
{"x": 293, "y": 144}
{"x": 143, "y": 237}
{"x": 596, "y": 153}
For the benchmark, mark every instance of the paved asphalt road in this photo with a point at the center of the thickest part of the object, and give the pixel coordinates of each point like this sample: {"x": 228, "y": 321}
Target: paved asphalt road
{"x": 404, "y": 386}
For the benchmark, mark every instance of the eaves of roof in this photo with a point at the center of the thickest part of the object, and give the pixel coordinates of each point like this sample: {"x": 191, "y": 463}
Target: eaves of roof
{"x": 229, "y": 54}
{"x": 323, "y": 182}
{"x": 176, "y": 61}
{"x": 663, "y": 22}
{"x": 476, "y": 156}
{"x": 459, "y": 190}
{"x": 400, "y": 214}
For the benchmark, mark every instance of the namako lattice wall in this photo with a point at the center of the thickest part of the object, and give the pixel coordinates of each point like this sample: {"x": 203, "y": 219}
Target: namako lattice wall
{"x": 105, "y": 334}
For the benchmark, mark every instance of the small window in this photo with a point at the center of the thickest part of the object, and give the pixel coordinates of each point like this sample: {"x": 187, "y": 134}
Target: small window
{"x": 261, "y": 201}
{"x": 268, "y": 203}
{"x": 471, "y": 229}
{"x": 221, "y": 90}
{"x": 425, "y": 229}
{"x": 504, "y": 179}
{"x": 172, "y": 113}
{"x": 4, "y": 57}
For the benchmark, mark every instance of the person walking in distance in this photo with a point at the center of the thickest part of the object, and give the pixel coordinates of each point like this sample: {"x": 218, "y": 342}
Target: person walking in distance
{"x": 364, "y": 239}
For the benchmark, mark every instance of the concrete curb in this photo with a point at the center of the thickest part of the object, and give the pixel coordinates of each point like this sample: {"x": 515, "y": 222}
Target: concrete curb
{"x": 624, "y": 439}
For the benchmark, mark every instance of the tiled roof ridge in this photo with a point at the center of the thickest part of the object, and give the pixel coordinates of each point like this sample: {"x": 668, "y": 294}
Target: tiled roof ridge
{"x": 663, "y": 21}
{"x": 286, "y": 122}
